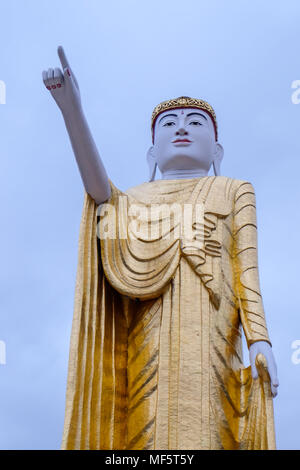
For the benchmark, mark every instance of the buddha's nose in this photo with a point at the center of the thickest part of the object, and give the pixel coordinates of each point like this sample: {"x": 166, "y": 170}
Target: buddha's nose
{"x": 181, "y": 131}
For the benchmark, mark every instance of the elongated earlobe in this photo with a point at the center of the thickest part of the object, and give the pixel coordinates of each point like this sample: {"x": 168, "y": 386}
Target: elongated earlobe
{"x": 217, "y": 168}
{"x": 152, "y": 174}
{"x": 151, "y": 164}
{"x": 218, "y": 159}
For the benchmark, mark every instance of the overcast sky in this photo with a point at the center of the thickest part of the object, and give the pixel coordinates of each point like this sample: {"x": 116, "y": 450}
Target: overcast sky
{"x": 242, "y": 57}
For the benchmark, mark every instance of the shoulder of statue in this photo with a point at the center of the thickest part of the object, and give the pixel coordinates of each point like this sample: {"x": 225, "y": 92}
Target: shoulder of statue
{"x": 242, "y": 186}
{"x": 224, "y": 192}
{"x": 228, "y": 184}
{"x": 236, "y": 185}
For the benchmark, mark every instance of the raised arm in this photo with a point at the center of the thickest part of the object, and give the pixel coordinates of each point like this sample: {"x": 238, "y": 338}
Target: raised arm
{"x": 247, "y": 281}
{"x": 64, "y": 88}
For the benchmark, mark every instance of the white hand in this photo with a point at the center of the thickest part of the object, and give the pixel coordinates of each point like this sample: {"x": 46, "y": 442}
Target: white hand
{"x": 63, "y": 86}
{"x": 264, "y": 348}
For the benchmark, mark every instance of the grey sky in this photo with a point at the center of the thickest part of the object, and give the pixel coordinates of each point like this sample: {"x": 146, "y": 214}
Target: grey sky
{"x": 241, "y": 56}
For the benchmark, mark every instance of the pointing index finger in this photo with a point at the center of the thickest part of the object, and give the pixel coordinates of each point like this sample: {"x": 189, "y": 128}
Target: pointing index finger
{"x": 63, "y": 58}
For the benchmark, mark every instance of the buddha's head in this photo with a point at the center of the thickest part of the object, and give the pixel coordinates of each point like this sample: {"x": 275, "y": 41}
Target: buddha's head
{"x": 184, "y": 137}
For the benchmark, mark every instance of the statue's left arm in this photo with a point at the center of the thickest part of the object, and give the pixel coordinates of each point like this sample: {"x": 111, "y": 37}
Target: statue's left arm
{"x": 247, "y": 281}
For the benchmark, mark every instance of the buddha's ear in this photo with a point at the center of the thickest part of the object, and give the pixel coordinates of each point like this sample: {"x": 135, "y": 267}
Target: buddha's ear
{"x": 218, "y": 157}
{"x": 151, "y": 163}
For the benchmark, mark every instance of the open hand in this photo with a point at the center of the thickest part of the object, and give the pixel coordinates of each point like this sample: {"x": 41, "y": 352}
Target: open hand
{"x": 264, "y": 348}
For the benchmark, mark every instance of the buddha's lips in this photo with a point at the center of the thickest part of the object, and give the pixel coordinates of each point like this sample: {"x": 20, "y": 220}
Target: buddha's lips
{"x": 181, "y": 140}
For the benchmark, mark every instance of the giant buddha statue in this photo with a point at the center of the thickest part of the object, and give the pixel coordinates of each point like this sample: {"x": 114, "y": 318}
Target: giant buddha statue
{"x": 156, "y": 345}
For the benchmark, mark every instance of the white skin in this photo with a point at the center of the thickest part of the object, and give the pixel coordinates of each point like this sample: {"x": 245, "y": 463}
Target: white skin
{"x": 174, "y": 160}
{"x": 65, "y": 91}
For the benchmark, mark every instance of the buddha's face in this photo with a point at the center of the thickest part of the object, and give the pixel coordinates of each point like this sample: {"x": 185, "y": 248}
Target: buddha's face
{"x": 184, "y": 139}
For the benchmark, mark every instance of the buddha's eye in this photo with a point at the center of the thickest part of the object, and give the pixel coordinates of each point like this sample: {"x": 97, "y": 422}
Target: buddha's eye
{"x": 170, "y": 123}
{"x": 197, "y": 123}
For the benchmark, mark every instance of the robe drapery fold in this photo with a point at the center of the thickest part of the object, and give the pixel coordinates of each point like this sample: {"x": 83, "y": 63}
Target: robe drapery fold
{"x": 156, "y": 356}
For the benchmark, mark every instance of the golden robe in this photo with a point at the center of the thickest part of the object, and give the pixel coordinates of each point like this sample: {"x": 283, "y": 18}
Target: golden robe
{"x": 156, "y": 352}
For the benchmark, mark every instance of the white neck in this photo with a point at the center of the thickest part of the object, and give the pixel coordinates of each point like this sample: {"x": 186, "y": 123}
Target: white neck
{"x": 183, "y": 174}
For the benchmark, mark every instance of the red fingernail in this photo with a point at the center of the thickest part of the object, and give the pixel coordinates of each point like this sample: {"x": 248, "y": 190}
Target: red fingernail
{"x": 53, "y": 86}
{"x": 58, "y": 85}
{"x": 48, "y": 87}
{"x": 69, "y": 72}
